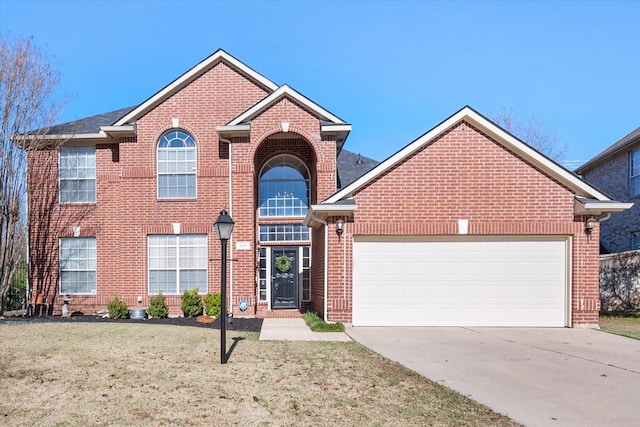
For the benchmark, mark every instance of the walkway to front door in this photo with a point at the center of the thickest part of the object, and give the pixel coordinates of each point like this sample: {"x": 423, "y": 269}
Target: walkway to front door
{"x": 284, "y": 278}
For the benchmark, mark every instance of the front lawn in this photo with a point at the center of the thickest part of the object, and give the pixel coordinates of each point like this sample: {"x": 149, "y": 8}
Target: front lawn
{"x": 625, "y": 324}
{"x": 99, "y": 374}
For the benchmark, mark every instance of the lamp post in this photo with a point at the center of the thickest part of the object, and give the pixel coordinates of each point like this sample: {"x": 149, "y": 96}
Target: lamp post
{"x": 224, "y": 227}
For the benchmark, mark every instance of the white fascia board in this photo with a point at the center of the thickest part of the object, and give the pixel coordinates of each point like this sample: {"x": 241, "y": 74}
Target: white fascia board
{"x": 118, "y": 129}
{"x": 233, "y": 130}
{"x": 509, "y": 141}
{"x": 189, "y": 76}
{"x": 597, "y": 207}
{"x": 275, "y": 96}
{"x": 335, "y": 128}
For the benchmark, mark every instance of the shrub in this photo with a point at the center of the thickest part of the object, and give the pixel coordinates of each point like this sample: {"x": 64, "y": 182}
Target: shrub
{"x": 158, "y": 307}
{"x": 212, "y": 305}
{"x": 191, "y": 303}
{"x": 316, "y": 324}
{"x": 118, "y": 309}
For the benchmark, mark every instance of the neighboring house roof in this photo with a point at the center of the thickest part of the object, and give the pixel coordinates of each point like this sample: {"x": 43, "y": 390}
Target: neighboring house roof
{"x": 589, "y": 200}
{"x": 623, "y": 144}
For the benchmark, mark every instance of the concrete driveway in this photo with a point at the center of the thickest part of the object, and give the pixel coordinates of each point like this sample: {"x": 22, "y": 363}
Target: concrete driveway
{"x": 538, "y": 377}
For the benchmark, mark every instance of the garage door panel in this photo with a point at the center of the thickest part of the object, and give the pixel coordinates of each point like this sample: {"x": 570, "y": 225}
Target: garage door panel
{"x": 515, "y": 282}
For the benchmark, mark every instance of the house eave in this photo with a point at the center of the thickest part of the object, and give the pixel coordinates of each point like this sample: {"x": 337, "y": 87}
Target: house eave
{"x": 119, "y": 131}
{"x": 233, "y": 130}
{"x": 584, "y": 206}
{"x": 324, "y": 211}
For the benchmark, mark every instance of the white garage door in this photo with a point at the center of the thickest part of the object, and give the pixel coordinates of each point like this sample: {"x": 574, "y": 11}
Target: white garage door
{"x": 460, "y": 281}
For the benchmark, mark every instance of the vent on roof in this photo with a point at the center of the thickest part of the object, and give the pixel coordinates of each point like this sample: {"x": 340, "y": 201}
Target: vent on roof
{"x": 359, "y": 161}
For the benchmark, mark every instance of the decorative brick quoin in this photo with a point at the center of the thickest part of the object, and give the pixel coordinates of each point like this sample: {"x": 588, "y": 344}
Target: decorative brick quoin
{"x": 466, "y": 225}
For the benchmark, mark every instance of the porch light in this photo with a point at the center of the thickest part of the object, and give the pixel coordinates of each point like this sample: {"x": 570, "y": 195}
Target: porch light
{"x": 224, "y": 227}
{"x": 589, "y": 225}
{"x": 339, "y": 225}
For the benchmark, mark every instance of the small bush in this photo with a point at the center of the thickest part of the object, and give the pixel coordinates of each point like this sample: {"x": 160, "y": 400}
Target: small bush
{"x": 212, "y": 305}
{"x": 191, "y": 303}
{"x": 118, "y": 309}
{"x": 316, "y": 324}
{"x": 158, "y": 307}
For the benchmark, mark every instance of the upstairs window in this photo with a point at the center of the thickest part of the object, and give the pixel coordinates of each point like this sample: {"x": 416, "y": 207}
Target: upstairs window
{"x": 77, "y": 169}
{"x": 284, "y": 187}
{"x": 176, "y": 165}
{"x": 634, "y": 173}
{"x": 635, "y": 240}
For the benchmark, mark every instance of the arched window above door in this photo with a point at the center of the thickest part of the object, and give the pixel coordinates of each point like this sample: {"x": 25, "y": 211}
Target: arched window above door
{"x": 284, "y": 187}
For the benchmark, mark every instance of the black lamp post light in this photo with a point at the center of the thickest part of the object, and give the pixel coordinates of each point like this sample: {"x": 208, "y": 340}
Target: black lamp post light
{"x": 224, "y": 227}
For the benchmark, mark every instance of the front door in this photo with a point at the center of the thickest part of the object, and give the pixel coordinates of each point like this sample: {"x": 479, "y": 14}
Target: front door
{"x": 284, "y": 278}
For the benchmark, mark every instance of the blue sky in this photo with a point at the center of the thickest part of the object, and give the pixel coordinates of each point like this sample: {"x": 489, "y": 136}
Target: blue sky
{"x": 392, "y": 69}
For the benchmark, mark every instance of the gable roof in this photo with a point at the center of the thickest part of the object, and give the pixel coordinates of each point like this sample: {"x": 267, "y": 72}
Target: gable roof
{"x": 329, "y": 122}
{"x": 469, "y": 115}
{"x": 626, "y": 142}
{"x": 186, "y": 78}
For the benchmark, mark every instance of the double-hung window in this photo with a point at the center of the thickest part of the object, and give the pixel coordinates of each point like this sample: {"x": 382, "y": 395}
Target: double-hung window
{"x": 634, "y": 173}
{"x": 78, "y": 265}
{"x": 176, "y": 165}
{"x": 77, "y": 170}
{"x": 177, "y": 263}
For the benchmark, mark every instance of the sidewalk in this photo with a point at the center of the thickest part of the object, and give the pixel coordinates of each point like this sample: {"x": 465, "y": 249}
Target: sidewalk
{"x": 296, "y": 330}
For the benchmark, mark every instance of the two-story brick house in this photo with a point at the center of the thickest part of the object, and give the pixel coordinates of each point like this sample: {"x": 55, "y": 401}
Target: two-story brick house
{"x": 616, "y": 171}
{"x": 466, "y": 225}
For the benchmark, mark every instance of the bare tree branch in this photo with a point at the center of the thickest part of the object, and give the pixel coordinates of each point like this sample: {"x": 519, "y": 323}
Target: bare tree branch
{"x": 534, "y": 132}
{"x": 27, "y": 109}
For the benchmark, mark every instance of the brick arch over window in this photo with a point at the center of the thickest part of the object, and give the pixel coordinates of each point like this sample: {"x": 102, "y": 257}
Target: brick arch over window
{"x": 298, "y": 148}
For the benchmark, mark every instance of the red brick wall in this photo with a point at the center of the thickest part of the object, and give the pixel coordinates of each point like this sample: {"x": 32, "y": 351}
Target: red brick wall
{"x": 128, "y": 210}
{"x": 465, "y": 175}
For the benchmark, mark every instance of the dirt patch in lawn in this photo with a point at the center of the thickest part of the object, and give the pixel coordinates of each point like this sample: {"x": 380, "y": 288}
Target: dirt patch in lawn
{"x": 123, "y": 373}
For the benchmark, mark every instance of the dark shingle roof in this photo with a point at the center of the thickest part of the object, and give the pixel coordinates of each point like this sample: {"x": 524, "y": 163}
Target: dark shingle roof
{"x": 352, "y": 166}
{"x": 623, "y": 143}
{"x": 90, "y": 124}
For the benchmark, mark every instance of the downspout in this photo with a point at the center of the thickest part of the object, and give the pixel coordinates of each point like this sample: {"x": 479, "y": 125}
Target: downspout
{"x": 326, "y": 265}
{"x": 230, "y": 306}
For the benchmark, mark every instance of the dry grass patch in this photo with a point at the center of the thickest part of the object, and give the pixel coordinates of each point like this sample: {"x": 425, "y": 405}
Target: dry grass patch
{"x": 151, "y": 375}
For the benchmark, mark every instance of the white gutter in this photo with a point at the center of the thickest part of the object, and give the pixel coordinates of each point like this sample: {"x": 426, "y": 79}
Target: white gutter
{"x": 230, "y": 306}
{"x": 326, "y": 266}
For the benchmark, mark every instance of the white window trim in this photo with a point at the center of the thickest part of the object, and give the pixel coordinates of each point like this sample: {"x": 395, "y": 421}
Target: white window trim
{"x": 95, "y": 178}
{"x": 194, "y": 172}
{"x": 632, "y": 177}
{"x": 177, "y": 268}
{"x": 60, "y": 270}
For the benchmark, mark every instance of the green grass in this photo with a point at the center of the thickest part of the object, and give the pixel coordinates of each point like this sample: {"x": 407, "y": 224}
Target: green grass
{"x": 625, "y": 323}
{"x": 316, "y": 324}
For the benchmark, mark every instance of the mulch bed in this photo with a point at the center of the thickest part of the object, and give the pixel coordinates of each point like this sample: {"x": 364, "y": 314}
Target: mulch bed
{"x": 237, "y": 324}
